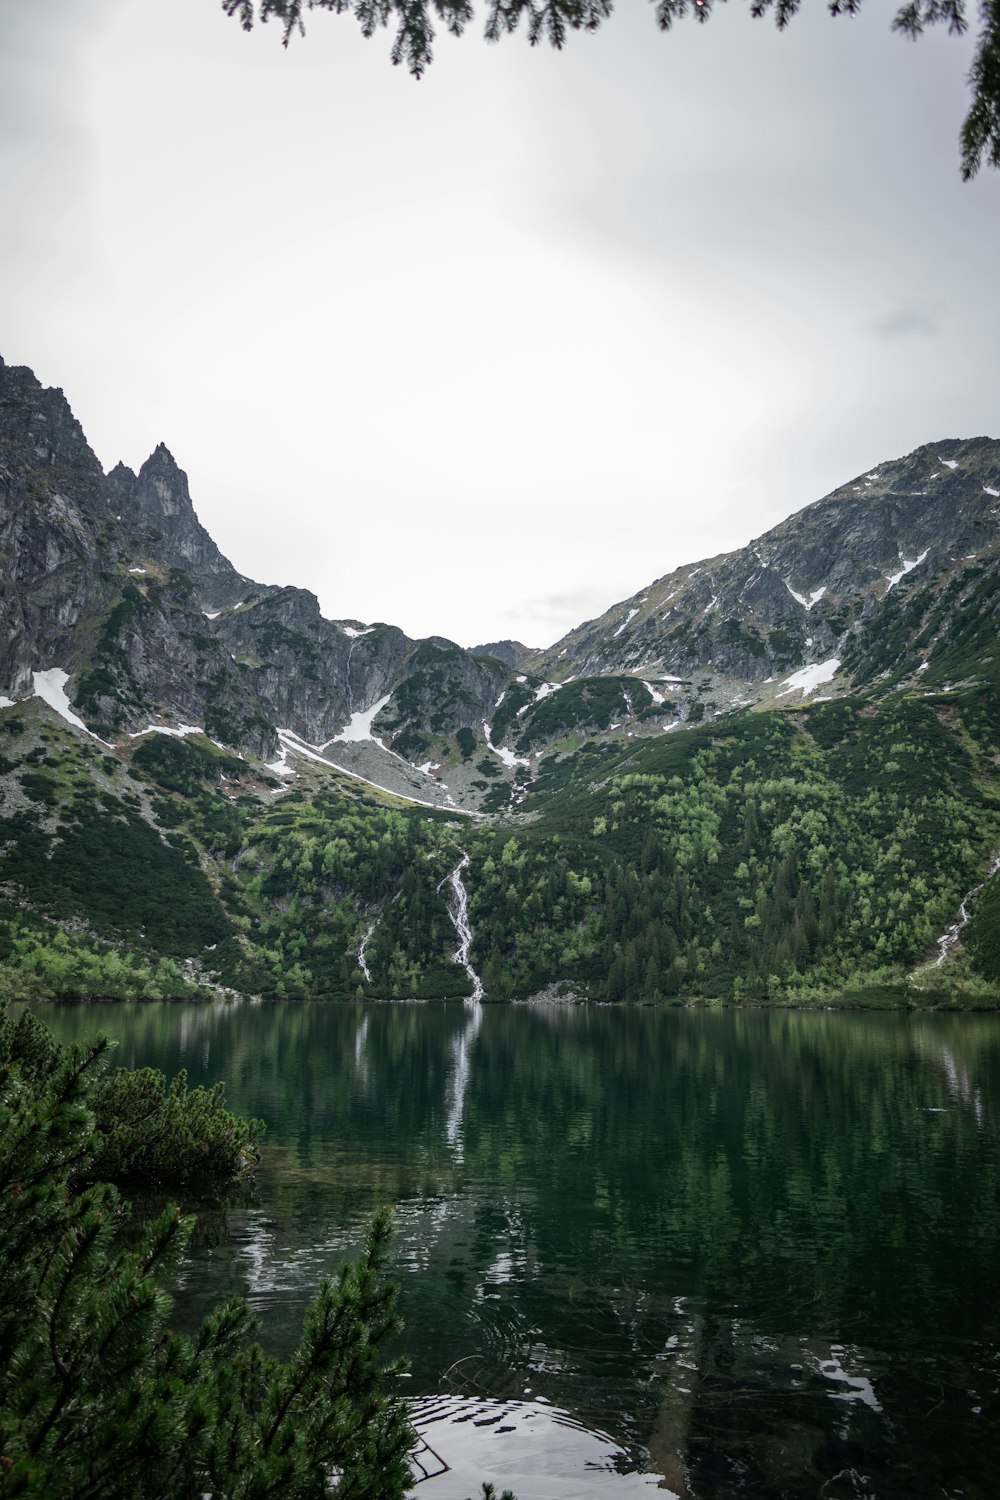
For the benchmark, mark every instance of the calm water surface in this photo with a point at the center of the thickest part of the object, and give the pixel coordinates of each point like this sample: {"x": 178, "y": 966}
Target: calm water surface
{"x": 761, "y": 1249}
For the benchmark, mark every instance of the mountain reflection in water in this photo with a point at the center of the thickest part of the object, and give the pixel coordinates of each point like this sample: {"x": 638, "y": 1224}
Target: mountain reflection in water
{"x": 757, "y": 1248}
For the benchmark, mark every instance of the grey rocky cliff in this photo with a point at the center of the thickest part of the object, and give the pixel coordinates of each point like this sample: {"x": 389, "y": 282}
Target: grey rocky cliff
{"x": 160, "y": 526}
{"x": 74, "y": 595}
{"x": 797, "y": 593}
{"x": 315, "y": 674}
{"x": 113, "y": 579}
{"x": 312, "y": 673}
{"x": 511, "y": 653}
{"x": 57, "y": 532}
{"x": 156, "y": 660}
{"x": 445, "y": 691}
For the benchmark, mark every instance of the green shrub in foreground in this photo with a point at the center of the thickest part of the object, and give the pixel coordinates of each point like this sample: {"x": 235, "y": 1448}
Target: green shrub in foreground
{"x": 98, "y": 1399}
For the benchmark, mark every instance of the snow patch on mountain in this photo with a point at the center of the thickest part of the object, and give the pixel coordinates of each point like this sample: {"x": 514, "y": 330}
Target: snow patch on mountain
{"x": 806, "y": 602}
{"x": 540, "y": 693}
{"x": 291, "y": 742}
{"x": 280, "y": 767}
{"x": 180, "y": 733}
{"x": 508, "y": 757}
{"x": 809, "y": 678}
{"x": 50, "y": 686}
{"x": 630, "y": 616}
{"x": 907, "y": 567}
{"x": 358, "y": 731}
{"x": 359, "y": 726}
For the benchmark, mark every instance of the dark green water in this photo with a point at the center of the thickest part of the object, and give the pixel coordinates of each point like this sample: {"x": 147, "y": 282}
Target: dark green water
{"x": 766, "y": 1241}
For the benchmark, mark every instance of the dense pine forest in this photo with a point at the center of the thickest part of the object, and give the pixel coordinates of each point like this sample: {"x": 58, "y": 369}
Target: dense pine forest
{"x": 779, "y": 855}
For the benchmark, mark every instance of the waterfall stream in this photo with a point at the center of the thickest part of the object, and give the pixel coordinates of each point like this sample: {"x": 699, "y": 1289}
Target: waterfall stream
{"x": 947, "y": 942}
{"x": 361, "y": 952}
{"x": 458, "y": 910}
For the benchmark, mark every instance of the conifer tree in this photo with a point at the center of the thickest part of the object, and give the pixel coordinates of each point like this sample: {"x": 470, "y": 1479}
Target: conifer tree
{"x": 98, "y": 1399}
{"x": 553, "y": 20}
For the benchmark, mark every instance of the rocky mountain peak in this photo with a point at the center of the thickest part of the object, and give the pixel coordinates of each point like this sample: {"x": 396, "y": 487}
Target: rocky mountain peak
{"x": 512, "y": 653}
{"x": 794, "y": 595}
{"x": 41, "y": 440}
{"x": 162, "y": 492}
{"x": 113, "y": 580}
{"x": 156, "y": 508}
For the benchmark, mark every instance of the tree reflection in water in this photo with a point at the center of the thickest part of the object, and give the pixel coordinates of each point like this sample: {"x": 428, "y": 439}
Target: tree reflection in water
{"x": 757, "y": 1247}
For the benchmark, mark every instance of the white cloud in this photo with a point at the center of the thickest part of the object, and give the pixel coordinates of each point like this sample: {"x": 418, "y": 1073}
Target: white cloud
{"x": 540, "y": 325}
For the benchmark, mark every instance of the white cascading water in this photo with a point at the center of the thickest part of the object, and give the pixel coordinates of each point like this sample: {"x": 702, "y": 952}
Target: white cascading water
{"x": 951, "y": 937}
{"x": 462, "y": 1044}
{"x": 361, "y": 953}
{"x": 458, "y": 910}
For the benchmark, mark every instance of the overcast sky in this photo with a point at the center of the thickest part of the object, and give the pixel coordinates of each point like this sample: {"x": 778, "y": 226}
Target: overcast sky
{"x": 483, "y": 354}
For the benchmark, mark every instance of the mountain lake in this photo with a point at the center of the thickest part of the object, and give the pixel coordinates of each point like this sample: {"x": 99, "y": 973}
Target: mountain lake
{"x": 709, "y": 1252}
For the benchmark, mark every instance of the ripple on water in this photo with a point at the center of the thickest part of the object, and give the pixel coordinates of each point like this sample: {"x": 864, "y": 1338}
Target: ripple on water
{"x": 537, "y": 1450}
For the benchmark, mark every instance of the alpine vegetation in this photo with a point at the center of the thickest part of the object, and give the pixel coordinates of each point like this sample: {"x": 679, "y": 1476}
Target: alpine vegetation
{"x": 97, "y": 1396}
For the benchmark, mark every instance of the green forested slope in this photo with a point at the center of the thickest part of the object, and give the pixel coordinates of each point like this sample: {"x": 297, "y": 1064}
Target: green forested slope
{"x": 823, "y": 845}
{"x": 792, "y": 852}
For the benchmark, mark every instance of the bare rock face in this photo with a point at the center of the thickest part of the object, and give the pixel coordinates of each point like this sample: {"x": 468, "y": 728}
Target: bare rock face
{"x": 55, "y": 528}
{"x": 95, "y": 581}
{"x": 512, "y": 653}
{"x": 313, "y": 674}
{"x": 798, "y": 593}
{"x": 114, "y": 579}
{"x": 155, "y": 506}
